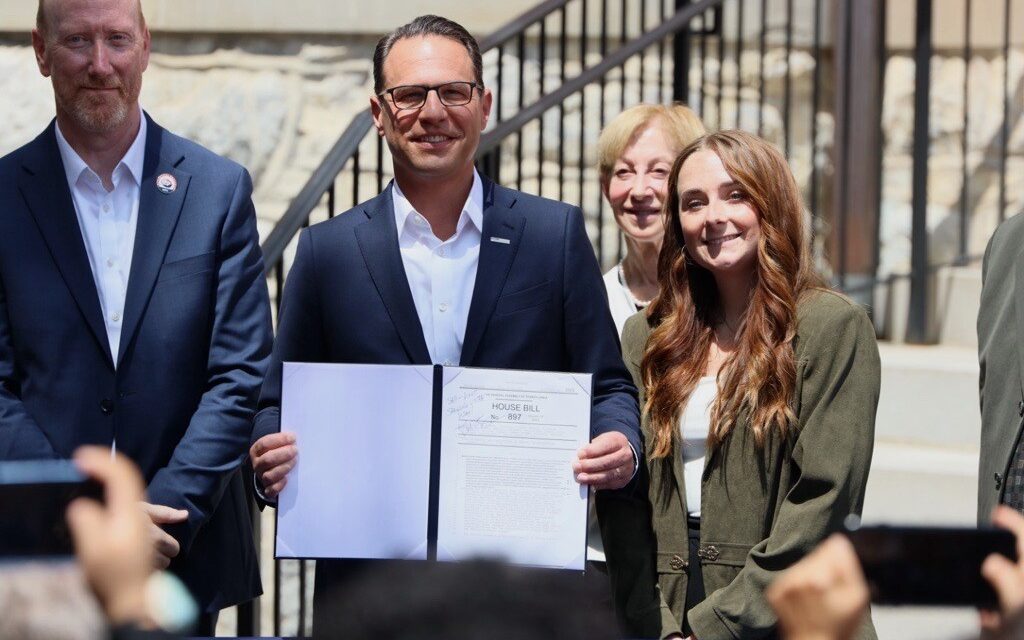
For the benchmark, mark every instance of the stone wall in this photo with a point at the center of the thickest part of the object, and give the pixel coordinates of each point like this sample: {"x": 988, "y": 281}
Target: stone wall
{"x": 275, "y": 106}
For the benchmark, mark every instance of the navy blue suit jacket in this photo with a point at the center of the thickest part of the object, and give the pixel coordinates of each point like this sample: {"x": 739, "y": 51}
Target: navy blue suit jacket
{"x": 195, "y": 342}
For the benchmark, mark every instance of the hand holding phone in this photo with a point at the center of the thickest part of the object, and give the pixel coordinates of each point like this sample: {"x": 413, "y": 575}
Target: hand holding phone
{"x": 112, "y": 541}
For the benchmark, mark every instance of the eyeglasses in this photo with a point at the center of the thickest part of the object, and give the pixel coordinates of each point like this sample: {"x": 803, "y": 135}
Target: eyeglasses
{"x": 451, "y": 94}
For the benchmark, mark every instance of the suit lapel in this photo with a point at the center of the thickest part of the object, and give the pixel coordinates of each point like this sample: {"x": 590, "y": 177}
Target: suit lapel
{"x": 500, "y": 221}
{"x": 158, "y": 215}
{"x": 378, "y": 242}
{"x": 44, "y": 186}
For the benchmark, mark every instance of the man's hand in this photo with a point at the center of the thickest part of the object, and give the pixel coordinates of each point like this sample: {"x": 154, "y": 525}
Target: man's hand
{"x": 1007, "y": 578}
{"x": 822, "y": 597}
{"x": 111, "y": 541}
{"x": 606, "y": 463}
{"x": 165, "y": 545}
{"x": 273, "y": 456}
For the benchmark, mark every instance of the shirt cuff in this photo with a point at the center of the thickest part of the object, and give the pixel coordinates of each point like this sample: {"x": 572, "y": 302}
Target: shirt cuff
{"x": 636, "y": 463}
{"x": 273, "y": 502}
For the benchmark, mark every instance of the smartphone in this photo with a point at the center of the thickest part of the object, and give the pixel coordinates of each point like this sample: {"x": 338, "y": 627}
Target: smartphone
{"x": 33, "y": 498}
{"x": 938, "y": 566}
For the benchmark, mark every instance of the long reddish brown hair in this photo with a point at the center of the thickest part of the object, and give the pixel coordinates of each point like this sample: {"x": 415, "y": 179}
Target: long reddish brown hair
{"x": 758, "y": 378}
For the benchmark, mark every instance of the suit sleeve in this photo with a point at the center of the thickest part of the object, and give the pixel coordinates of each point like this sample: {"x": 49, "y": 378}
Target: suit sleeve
{"x": 20, "y": 436}
{"x": 217, "y": 436}
{"x": 592, "y": 339}
{"x": 300, "y": 337}
{"x": 982, "y": 363}
{"x": 831, "y": 456}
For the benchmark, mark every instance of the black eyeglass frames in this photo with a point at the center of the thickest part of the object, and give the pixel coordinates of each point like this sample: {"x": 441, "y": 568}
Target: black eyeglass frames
{"x": 451, "y": 94}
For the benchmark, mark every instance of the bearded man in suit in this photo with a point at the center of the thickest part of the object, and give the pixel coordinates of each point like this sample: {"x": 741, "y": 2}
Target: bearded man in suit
{"x": 133, "y": 309}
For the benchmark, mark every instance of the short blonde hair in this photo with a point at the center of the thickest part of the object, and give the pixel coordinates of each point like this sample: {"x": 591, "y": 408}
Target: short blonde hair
{"x": 680, "y": 124}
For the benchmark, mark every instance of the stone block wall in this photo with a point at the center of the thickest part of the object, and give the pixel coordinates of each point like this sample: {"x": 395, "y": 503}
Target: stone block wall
{"x": 275, "y": 105}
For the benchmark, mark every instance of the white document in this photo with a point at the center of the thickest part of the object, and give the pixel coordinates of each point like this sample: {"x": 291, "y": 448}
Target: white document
{"x": 507, "y": 487}
{"x": 361, "y": 488}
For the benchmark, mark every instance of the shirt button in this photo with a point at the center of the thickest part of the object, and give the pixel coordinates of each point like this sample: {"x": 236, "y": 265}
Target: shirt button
{"x": 115, "y": 317}
{"x": 443, "y": 251}
{"x": 442, "y": 307}
{"x": 110, "y": 262}
{"x": 106, "y": 207}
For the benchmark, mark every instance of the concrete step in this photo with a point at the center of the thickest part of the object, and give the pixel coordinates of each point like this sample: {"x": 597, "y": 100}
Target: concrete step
{"x": 916, "y": 484}
{"x": 925, "y": 466}
{"x": 929, "y": 396}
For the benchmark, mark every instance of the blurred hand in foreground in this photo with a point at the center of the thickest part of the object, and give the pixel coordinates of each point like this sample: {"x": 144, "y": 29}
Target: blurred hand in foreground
{"x": 822, "y": 597}
{"x": 1007, "y": 578}
{"x": 112, "y": 541}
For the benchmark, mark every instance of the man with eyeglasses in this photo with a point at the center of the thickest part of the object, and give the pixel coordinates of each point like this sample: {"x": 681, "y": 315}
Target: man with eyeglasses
{"x": 446, "y": 267}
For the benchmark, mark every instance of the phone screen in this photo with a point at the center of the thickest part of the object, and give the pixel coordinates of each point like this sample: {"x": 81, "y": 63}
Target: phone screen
{"x": 33, "y": 498}
{"x": 930, "y": 565}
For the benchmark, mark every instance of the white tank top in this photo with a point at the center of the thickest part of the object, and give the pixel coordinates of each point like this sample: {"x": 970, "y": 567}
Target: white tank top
{"x": 693, "y": 429}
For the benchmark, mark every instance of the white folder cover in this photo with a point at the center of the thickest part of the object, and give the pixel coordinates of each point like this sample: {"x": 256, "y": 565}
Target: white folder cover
{"x": 418, "y": 462}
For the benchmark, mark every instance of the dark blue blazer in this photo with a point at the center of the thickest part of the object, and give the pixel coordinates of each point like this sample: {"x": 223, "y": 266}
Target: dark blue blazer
{"x": 539, "y": 303}
{"x": 195, "y": 342}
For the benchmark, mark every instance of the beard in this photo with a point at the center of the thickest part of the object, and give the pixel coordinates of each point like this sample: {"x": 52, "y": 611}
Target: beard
{"x": 98, "y": 113}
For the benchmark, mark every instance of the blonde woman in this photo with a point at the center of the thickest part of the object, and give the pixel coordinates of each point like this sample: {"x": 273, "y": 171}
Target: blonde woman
{"x": 759, "y": 389}
{"x": 635, "y": 153}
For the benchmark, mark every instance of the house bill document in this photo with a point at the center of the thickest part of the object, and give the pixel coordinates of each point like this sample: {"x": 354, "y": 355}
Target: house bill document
{"x": 404, "y": 461}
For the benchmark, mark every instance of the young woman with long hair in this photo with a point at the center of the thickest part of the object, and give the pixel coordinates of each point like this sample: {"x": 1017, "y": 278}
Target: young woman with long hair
{"x": 758, "y": 387}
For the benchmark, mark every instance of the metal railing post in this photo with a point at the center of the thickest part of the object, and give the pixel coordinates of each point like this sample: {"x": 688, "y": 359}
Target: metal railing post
{"x": 681, "y": 61}
{"x": 859, "y": 60}
{"x": 917, "y": 321}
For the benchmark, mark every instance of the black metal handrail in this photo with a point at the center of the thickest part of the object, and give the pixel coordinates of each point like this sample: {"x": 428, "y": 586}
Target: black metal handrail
{"x": 319, "y": 182}
{"x": 492, "y": 139}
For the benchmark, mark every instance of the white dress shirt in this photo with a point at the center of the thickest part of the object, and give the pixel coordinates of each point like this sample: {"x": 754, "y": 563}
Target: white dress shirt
{"x": 107, "y": 220}
{"x": 441, "y": 274}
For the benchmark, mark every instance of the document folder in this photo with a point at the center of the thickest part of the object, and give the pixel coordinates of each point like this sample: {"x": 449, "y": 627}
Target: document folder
{"x": 434, "y": 463}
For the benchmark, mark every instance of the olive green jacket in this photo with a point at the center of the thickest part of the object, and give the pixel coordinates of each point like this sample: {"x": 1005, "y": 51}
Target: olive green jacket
{"x": 1001, "y": 358}
{"x": 762, "y": 509}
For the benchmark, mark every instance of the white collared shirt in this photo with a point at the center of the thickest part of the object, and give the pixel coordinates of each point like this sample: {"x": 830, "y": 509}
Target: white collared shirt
{"x": 107, "y": 220}
{"x": 441, "y": 274}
